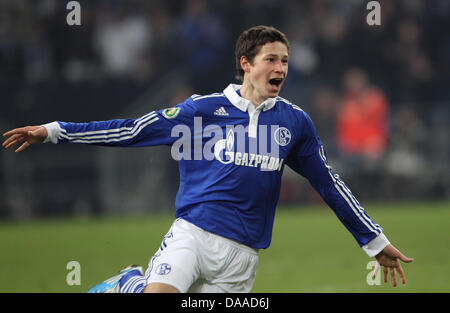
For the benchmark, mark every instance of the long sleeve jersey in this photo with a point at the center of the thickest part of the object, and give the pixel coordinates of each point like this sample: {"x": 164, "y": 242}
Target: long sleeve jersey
{"x": 231, "y": 158}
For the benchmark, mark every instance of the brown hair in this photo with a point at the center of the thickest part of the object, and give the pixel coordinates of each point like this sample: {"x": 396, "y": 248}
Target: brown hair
{"x": 250, "y": 42}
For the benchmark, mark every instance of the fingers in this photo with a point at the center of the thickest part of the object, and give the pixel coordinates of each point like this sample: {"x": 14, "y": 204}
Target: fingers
{"x": 394, "y": 278}
{"x": 13, "y": 140}
{"x": 405, "y": 259}
{"x": 376, "y": 270}
{"x": 401, "y": 273}
{"x": 16, "y": 136}
{"x": 23, "y": 147}
{"x": 393, "y": 252}
{"x": 392, "y": 270}
{"x": 390, "y": 260}
{"x": 29, "y": 134}
{"x": 385, "y": 272}
{"x": 15, "y": 131}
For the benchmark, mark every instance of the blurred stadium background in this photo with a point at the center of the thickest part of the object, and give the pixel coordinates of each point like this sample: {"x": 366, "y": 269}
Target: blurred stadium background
{"x": 379, "y": 96}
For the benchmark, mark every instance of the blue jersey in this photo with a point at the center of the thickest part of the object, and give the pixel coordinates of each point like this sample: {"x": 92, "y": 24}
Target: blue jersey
{"x": 231, "y": 159}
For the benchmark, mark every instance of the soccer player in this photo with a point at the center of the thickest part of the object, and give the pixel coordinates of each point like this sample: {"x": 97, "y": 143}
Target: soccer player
{"x": 232, "y": 152}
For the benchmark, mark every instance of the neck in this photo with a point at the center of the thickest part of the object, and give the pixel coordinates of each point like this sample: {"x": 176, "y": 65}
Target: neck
{"x": 250, "y": 93}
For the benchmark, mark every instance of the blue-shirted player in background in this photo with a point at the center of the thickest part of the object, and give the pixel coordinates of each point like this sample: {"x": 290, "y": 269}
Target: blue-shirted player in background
{"x": 232, "y": 147}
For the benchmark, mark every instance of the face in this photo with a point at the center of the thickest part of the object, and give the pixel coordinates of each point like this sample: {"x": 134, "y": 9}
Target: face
{"x": 264, "y": 76}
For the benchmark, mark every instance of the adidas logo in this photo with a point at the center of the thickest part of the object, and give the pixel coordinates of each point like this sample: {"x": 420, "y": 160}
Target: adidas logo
{"x": 221, "y": 111}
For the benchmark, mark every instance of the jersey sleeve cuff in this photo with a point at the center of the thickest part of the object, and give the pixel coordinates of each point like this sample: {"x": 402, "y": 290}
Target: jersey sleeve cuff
{"x": 53, "y": 131}
{"x": 376, "y": 245}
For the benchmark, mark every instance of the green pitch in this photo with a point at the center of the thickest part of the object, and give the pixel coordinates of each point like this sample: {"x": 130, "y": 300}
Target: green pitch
{"x": 310, "y": 252}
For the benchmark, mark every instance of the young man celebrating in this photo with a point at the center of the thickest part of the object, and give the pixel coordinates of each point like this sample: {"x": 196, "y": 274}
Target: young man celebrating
{"x": 227, "y": 197}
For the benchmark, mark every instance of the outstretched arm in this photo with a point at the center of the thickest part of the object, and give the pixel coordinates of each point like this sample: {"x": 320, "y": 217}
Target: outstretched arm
{"x": 309, "y": 160}
{"x": 26, "y": 135}
{"x": 368, "y": 234}
{"x": 152, "y": 129}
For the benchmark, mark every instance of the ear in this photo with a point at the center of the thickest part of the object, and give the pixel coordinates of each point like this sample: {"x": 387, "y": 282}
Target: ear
{"x": 245, "y": 64}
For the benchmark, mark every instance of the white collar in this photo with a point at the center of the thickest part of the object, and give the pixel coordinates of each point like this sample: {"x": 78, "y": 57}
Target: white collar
{"x": 242, "y": 103}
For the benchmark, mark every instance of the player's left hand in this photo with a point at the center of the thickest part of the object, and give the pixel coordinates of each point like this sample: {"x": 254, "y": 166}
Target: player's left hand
{"x": 390, "y": 258}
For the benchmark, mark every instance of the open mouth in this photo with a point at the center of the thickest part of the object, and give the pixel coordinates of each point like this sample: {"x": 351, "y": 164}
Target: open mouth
{"x": 275, "y": 81}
